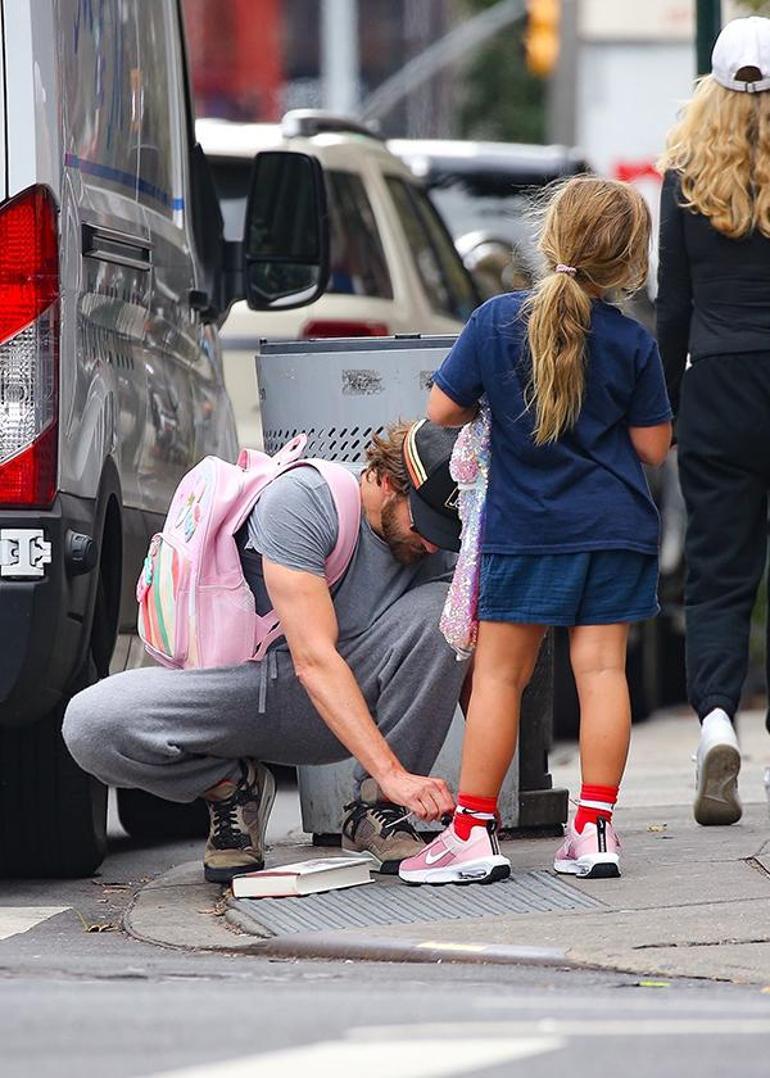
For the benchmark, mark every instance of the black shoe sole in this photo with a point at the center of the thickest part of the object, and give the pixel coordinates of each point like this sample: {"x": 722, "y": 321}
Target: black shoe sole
{"x": 225, "y": 875}
{"x": 601, "y": 872}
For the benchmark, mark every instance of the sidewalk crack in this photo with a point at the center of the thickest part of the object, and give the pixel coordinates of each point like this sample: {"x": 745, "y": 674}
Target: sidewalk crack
{"x": 756, "y": 864}
{"x": 699, "y": 943}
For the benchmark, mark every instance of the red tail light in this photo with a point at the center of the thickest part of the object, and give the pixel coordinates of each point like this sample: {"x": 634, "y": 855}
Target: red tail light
{"x": 343, "y": 328}
{"x": 29, "y": 349}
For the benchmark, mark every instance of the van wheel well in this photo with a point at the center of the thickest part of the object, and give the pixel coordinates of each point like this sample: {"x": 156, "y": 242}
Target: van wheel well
{"x": 108, "y": 587}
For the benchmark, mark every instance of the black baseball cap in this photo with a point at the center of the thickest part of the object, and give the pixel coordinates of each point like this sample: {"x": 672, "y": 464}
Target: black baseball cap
{"x": 432, "y": 491}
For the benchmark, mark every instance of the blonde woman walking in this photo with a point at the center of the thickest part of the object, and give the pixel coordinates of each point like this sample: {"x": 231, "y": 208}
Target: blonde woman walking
{"x": 578, "y": 402}
{"x": 714, "y": 303}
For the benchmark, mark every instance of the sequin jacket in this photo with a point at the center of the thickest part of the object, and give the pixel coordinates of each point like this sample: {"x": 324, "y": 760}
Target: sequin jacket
{"x": 469, "y": 468}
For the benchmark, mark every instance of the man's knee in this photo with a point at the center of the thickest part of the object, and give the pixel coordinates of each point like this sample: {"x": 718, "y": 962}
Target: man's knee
{"x": 90, "y": 728}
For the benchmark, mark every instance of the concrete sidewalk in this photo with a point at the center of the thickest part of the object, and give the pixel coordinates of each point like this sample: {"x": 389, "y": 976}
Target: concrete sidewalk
{"x": 691, "y": 902}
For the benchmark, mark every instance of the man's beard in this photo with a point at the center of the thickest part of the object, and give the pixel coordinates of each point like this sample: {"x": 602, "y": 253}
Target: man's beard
{"x": 405, "y": 550}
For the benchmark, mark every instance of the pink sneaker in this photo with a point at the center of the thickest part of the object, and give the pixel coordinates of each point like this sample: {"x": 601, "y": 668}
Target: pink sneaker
{"x": 449, "y": 859}
{"x": 592, "y": 854}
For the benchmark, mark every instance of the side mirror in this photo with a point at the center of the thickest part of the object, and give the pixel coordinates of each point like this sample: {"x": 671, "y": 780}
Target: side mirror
{"x": 286, "y": 233}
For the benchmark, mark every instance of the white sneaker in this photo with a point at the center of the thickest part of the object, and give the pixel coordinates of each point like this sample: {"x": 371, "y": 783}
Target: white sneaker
{"x": 717, "y": 763}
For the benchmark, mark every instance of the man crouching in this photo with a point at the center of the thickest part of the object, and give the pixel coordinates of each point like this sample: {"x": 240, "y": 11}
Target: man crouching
{"x": 362, "y": 669}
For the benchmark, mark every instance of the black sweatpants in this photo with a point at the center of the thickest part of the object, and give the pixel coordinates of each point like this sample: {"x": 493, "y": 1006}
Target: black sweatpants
{"x": 723, "y": 433}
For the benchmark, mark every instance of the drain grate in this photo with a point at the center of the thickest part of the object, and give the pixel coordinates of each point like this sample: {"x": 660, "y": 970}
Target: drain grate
{"x": 390, "y": 903}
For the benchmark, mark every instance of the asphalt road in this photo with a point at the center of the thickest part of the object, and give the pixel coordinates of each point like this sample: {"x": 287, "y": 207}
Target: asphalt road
{"x": 78, "y": 997}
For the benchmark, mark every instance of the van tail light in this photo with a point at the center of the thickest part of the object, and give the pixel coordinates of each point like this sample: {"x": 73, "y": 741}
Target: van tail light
{"x": 321, "y": 327}
{"x": 29, "y": 349}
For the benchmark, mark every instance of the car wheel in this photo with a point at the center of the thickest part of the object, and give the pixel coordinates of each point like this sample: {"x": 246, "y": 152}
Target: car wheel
{"x": 147, "y": 817}
{"x": 53, "y": 816}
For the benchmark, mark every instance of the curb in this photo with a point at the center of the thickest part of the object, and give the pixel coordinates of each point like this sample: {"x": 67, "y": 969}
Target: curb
{"x": 348, "y": 947}
{"x": 180, "y": 912}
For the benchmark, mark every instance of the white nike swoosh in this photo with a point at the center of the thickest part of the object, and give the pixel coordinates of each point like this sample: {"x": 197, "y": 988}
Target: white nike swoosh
{"x": 430, "y": 858}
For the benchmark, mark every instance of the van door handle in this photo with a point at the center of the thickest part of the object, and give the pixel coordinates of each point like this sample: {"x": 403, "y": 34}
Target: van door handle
{"x": 109, "y": 245}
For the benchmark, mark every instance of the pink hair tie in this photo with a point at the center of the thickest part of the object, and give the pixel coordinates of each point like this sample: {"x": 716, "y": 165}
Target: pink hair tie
{"x": 561, "y": 268}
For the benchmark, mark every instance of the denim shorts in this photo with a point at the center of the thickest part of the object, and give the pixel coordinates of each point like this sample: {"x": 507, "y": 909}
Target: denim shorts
{"x": 598, "y": 587}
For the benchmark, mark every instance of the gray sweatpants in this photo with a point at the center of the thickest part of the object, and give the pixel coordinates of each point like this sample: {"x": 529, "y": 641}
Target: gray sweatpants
{"x": 176, "y": 733}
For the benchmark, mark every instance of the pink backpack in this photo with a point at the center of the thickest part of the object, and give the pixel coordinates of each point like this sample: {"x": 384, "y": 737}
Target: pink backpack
{"x": 195, "y": 608}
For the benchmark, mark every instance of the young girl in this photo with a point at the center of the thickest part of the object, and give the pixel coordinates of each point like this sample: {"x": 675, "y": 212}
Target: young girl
{"x": 578, "y": 403}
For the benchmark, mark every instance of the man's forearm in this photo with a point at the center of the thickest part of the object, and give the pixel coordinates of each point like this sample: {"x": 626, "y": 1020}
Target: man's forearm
{"x": 336, "y": 696}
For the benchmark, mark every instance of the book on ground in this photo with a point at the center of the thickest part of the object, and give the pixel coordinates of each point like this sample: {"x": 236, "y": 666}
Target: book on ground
{"x": 304, "y": 878}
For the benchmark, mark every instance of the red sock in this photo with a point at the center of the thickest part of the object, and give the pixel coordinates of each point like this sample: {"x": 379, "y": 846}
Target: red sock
{"x": 602, "y": 801}
{"x": 473, "y": 812}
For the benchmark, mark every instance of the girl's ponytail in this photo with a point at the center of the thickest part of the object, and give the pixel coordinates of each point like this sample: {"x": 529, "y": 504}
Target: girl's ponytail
{"x": 595, "y": 238}
{"x": 558, "y": 319}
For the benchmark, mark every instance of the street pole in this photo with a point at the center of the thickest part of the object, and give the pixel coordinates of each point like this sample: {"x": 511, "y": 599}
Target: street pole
{"x": 339, "y": 56}
{"x": 709, "y": 23}
{"x": 563, "y": 81}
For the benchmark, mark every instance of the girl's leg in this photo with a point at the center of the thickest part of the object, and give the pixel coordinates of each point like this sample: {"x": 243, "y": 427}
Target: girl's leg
{"x": 504, "y": 660}
{"x": 467, "y": 851}
{"x": 598, "y": 658}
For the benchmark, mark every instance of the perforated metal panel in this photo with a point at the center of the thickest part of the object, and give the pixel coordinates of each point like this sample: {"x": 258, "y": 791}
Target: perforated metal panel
{"x": 341, "y": 392}
{"x": 330, "y": 443}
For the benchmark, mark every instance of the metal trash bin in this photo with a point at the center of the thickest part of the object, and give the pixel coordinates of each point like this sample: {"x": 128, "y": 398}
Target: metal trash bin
{"x": 340, "y": 392}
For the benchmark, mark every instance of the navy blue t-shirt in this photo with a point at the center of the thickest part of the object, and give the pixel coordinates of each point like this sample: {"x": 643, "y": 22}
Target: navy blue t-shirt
{"x": 586, "y": 491}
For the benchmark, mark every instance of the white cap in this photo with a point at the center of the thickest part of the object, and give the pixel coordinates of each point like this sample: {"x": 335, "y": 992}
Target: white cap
{"x": 743, "y": 43}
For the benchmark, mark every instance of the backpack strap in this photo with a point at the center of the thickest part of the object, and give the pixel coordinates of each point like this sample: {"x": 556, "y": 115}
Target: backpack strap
{"x": 346, "y": 495}
{"x": 293, "y": 450}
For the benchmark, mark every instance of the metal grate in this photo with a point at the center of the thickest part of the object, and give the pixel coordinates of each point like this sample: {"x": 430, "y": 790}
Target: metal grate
{"x": 346, "y": 444}
{"x": 391, "y": 903}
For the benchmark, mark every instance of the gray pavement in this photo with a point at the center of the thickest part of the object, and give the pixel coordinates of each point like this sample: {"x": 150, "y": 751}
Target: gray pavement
{"x": 79, "y": 994}
{"x": 692, "y": 902}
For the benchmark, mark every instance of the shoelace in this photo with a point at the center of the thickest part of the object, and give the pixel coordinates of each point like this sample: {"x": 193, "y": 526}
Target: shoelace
{"x": 390, "y": 817}
{"x": 227, "y": 833}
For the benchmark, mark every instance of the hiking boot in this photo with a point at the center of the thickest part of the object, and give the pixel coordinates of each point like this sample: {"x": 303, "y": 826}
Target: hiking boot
{"x": 380, "y": 830}
{"x": 238, "y": 823}
{"x": 451, "y": 859}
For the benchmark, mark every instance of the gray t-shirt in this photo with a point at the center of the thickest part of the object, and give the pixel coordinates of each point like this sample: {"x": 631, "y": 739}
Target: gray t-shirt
{"x": 295, "y": 524}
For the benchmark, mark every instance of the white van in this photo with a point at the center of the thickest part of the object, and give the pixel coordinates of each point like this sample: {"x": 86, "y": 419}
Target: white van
{"x": 113, "y": 278}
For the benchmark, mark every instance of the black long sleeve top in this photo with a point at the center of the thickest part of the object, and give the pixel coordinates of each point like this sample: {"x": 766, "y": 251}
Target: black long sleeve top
{"x": 713, "y": 292}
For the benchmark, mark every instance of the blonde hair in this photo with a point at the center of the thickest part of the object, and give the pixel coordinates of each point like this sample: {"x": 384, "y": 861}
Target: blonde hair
{"x": 721, "y": 149}
{"x": 601, "y": 229}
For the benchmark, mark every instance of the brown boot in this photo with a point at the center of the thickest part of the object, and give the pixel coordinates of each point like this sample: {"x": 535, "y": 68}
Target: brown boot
{"x": 239, "y": 813}
{"x": 379, "y": 829}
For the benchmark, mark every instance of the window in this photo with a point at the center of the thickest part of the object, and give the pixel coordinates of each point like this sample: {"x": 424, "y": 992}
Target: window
{"x": 155, "y": 98}
{"x": 232, "y": 177}
{"x": 117, "y": 93}
{"x": 357, "y": 259}
{"x": 447, "y": 283}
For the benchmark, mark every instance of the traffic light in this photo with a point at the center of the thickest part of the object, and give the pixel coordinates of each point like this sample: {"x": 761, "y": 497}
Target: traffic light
{"x": 541, "y": 37}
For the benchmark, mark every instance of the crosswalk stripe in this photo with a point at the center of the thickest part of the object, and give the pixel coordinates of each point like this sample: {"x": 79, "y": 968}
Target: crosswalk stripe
{"x": 17, "y": 919}
{"x": 377, "y": 1059}
{"x": 635, "y": 1026}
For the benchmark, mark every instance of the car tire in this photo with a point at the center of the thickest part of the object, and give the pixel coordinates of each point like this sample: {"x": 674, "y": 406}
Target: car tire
{"x": 53, "y": 816}
{"x": 150, "y": 818}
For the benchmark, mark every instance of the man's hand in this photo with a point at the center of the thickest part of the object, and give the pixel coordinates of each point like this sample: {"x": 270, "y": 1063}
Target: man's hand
{"x": 428, "y": 798}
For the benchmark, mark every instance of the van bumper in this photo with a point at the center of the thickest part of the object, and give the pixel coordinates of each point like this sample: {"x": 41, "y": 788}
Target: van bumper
{"x": 45, "y": 619}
